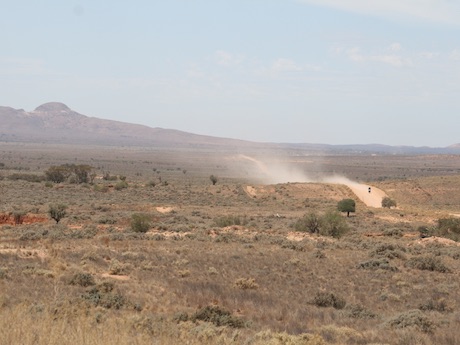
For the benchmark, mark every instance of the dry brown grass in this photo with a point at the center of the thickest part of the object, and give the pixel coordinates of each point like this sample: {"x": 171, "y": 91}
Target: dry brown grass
{"x": 95, "y": 281}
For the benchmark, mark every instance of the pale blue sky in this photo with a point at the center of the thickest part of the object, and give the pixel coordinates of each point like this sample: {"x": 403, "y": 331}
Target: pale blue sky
{"x": 314, "y": 71}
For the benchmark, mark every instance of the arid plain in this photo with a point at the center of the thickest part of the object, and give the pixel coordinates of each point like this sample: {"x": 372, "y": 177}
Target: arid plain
{"x": 227, "y": 263}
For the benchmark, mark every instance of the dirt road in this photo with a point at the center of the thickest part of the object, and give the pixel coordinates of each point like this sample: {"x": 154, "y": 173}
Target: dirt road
{"x": 372, "y": 199}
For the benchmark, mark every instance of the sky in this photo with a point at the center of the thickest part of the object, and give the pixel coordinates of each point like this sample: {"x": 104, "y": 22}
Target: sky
{"x": 296, "y": 71}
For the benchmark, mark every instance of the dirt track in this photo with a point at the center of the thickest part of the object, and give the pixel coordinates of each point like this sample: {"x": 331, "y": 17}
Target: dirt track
{"x": 372, "y": 199}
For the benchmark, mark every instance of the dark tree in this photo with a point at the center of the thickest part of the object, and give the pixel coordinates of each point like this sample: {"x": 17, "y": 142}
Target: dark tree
{"x": 347, "y": 205}
{"x": 213, "y": 179}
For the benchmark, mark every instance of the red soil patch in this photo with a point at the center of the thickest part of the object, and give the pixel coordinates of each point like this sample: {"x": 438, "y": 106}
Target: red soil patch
{"x": 8, "y": 218}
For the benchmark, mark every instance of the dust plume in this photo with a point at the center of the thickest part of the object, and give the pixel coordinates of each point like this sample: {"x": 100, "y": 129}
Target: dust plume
{"x": 271, "y": 171}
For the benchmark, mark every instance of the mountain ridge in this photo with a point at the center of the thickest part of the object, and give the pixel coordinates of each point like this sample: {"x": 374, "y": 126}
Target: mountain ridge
{"x": 55, "y": 122}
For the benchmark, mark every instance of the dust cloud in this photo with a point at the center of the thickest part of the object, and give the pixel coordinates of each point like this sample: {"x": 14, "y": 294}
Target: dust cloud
{"x": 272, "y": 171}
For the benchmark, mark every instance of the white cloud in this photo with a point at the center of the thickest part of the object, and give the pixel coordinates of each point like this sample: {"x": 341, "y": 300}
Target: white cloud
{"x": 285, "y": 65}
{"x": 391, "y": 59}
{"x": 225, "y": 58}
{"x": 396, "y": 47}
{"x": 285, "y": 69}
{"x": 429, "y": 55}
{"x": 444, "y": 11}
{"x": 455, "y": 55}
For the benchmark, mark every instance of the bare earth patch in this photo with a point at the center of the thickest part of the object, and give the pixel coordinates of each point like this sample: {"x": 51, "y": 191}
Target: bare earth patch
{"x": 163, "y": 209}
{"x": 115, "y": 276}
{"x": 251, "y": 191}
{"x": 439, "y": 240}
{"x": 25, "y": 253}
{"x": 300, "y": 236}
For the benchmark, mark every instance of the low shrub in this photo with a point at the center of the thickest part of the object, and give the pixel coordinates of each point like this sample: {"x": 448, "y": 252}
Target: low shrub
{"x": 393, "y": 232}
{"x": 333, "y": 224}
{"x": 230, "y": 220}
{"x": 449, "y": 228}
{"x": 308, "y": 223}
{"x": 140, "y": 222}
{"x": 330, "y": 224}
{"x": 427, "y": 263}
{"x": 82, "y": 279}
{"x": 3, "y": 273}
{"x": 412, "y": 318}
{"x": 440, "y": 305}
{"x": 381, "y": 264}
{"x": 388, "y": 202}
{"x": 104, "y": 296}
{"x": 389, "y": 251}
{"x": 328, "y": 299}
{"x": 274, "y": 338}
{"x": 218, "y": 316}
{"x": 246, "y": 284}
{"x": 101, "y": 188}
{"x": 121, "y": 185}
{"x": 27, "y": 177}
{"x": 57, "y": 211}
{"x": 357, "y": 311}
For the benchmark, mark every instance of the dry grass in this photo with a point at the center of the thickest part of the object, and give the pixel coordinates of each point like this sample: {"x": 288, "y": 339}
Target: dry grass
{"x": 219, "y": 256}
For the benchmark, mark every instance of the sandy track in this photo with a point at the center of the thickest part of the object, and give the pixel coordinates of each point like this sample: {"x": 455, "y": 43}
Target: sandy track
{"x": 372, "y": 199}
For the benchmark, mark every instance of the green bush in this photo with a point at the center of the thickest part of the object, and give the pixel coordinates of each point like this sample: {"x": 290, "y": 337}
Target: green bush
{"x": 308, "y": 223}
{"x": 328, "y": 299}
{"x": 26, "y": 177}
{"x": 229, "y": 220}
{"x": 388, "y": 202}
{"x": 121, "y": 185}
{"x": 57, "y": 211}
{"x": 412, "y": 318}
{"x": 103, "y": 296}
{"x": 18, "y": 217}
{"x": 101, "y": 188}
{"x": 140, "y": 222}
{"x": 213, "y": 179}
{"x": 440, "y": 305}
{"x": 82, "y": 279}
{"x": 218, "y": 316}
{"x": 333, "y": 224}
{"x": 382, "y": 264}
{"x": 427, "y": 263}
{"x": 449, "y": 228}
{"x": 357, "y": 311}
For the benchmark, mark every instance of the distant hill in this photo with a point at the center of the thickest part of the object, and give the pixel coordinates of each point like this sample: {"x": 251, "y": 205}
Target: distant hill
{"x": 56, "y": 123}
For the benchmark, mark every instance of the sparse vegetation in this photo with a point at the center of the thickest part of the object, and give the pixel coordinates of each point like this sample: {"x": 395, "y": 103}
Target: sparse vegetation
{"x": 57, "y": 211}
{"x": 80, "y": 173}
{"x": 226, "y": 264}
{"x": 427, "y": 263}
